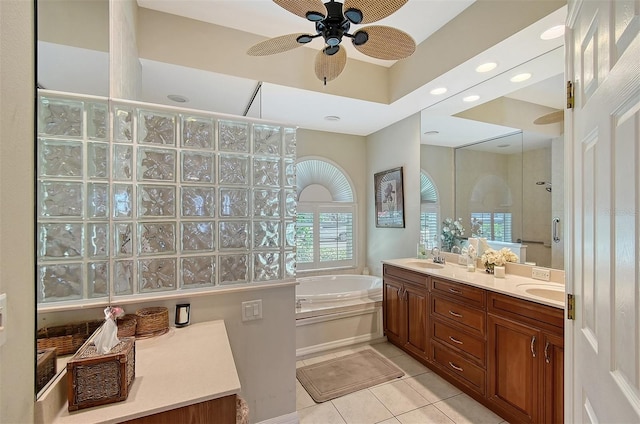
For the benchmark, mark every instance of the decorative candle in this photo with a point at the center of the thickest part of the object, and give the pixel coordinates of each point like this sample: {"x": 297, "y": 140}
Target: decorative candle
{"x": 498, "y": 271}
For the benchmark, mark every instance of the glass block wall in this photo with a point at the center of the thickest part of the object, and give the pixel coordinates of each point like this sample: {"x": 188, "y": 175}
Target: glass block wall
{"x": 138, "y": 198}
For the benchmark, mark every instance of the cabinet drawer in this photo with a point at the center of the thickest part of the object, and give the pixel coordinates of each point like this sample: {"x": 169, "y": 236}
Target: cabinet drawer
{"x": 405, "y": 275}
{"x": 463, "y": 292}
{"x": 467, "y": 373}
{"x": 533, "y": 313}
{"x": 459, "y": 340}
{"x": 468, "y": 318}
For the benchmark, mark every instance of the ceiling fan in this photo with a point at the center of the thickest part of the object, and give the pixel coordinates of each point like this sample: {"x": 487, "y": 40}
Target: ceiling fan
{"x": 333, "y": 21}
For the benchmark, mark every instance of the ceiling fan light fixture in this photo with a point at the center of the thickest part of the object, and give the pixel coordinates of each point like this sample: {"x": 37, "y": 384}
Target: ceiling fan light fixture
{"x": 360, "y": 37}
{"x": 520, "y": 77}
{"x": 304, "y": 39}
{"x": 314, "y": 16}
{"x": 353, "y": 15}
{"x": 331, "y": 50}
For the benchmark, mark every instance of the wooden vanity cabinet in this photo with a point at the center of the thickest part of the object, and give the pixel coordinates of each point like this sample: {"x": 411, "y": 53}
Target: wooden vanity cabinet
{"x": 405, "y": 302}
{"x": 525, "y": 360}
{"x": 503, "y": 351}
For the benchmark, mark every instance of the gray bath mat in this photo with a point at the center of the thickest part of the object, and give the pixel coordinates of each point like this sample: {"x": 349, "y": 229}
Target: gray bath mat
{"x": 347, "y": 374}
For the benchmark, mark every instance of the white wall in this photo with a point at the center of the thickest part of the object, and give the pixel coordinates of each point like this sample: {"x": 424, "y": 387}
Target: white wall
{"x": 394, "y": 146}
{"x": 17, "y": 77}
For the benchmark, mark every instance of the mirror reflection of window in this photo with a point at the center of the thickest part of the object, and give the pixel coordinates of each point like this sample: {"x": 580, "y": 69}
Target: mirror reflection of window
{"x": 429, "y": 211}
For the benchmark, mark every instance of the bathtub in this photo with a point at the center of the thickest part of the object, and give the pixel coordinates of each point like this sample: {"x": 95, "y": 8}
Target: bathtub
{"x": 334, "y": 311}
{"x": 337, "y": 288}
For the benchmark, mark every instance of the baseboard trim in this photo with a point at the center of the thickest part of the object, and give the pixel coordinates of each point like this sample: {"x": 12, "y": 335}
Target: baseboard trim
{"x": 291, "y": 418}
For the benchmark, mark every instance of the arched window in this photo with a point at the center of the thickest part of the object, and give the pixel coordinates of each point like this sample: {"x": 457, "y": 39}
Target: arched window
{"x": 429, "y": 210}
{"x": 325, "y": 226}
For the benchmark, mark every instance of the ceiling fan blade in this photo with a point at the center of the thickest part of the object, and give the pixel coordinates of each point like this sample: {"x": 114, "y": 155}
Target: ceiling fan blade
{"x": 275, "y": 45}
{"x": 385, "y": 42}
{"x": 329, "y": 67}
{"x": 373, "y": 10}
{"x": 550, "y": 118}
{"x": 302, "y": 7}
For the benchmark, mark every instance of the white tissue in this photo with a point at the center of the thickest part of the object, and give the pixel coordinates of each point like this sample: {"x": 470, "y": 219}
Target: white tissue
{"x": 107, "y": 337}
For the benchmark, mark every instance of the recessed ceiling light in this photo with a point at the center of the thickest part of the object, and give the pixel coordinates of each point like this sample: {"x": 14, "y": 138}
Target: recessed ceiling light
{"x": 520, "y": 77}
{"x": 438, "y": 91}
{"x": 433, "y": 132}
{"x": 177, "y": 98}
{"x": 472, "y": 98}
{"x": 486, "y": 67}
{"x": 332, "y": 118}
{"x": 553, "y": 32}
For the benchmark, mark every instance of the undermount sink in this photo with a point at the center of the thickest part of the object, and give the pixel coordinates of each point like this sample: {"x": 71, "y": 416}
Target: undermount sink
{"x": 427, "y": 265}
{"x": 545, "y": 291}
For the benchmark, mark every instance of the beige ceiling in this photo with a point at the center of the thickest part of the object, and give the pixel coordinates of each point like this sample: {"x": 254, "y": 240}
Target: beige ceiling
{"x": 196, "y": 48}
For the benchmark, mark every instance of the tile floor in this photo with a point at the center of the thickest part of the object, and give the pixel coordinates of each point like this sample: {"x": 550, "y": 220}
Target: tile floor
{"x": 419, "y": 397}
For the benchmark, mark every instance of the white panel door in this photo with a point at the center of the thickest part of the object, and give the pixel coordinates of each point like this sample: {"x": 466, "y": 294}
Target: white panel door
{"x": 602, "y": 380}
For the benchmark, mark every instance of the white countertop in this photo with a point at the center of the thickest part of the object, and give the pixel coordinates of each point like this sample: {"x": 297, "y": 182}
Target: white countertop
{"x": 512, "y": 285}
{"x": 182, "y": 367}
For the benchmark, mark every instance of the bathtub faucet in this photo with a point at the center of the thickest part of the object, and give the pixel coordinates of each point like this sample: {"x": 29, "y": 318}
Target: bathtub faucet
{"x": 299, "y": 303}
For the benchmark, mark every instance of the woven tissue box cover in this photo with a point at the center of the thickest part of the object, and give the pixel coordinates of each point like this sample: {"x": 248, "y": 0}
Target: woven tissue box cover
{"x": 97, "y": 379}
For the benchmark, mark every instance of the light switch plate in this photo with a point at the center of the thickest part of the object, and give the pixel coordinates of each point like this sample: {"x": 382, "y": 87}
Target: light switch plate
{"x": 252, "y": 310}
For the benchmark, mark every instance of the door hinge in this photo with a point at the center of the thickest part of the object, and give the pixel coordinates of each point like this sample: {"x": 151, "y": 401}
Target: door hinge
{"x": 571, "y": 306}
{"x": 570, "y": 98}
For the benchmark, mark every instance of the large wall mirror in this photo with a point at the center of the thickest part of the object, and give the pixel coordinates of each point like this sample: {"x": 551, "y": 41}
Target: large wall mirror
{"x": 72, "y": 49}
{"x": 497, "y": 161}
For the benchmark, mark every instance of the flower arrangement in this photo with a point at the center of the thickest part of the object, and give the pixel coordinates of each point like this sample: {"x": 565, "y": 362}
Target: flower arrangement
{"x": 452, "y": 232}
{"x": 492, "y": 258}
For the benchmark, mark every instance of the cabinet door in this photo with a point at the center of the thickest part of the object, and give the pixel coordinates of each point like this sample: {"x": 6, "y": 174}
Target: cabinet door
{"x": 514, "y": 370}
{"x": 553, "y": 355}
{"x": 416, "y": 303}
{"x": 393, "y": 311}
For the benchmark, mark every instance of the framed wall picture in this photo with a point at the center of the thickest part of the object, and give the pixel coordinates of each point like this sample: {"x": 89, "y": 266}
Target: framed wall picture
{"x": 389, "y": 198}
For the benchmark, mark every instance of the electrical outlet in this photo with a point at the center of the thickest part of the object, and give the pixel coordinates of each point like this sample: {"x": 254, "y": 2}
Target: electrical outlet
{"x": 540, "y": 274}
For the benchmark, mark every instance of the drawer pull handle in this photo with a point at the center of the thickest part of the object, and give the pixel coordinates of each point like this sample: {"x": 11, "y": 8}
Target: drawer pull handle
{"x": 455, "y": 291}
{"x": 546, "y": 353}
{"x": 455, "y": 314}
{"x": 455, "y": 367}
{"x": 533, "y": 348}
{"x": 455, "y": 340}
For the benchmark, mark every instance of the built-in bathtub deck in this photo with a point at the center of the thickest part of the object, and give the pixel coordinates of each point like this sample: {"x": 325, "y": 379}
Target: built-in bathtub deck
{"x": 328, "y": 324}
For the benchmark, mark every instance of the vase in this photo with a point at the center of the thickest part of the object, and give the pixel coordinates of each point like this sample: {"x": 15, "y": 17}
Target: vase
{"x": 489, "y": 268}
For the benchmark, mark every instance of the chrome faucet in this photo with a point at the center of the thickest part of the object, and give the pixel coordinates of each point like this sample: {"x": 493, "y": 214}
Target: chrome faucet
{"x": 299, "y": 303}
{"x": 437, "y": 259}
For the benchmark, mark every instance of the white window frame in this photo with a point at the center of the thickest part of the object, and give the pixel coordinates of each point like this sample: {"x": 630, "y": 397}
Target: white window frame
{"x": 328, "y": 207}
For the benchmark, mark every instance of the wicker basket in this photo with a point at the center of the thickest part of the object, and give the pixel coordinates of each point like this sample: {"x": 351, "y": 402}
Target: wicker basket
{"x": 66, "y": 338}
{"x": 127, "y": 325}
{"x": 97, "y": 379}
{"x": 46, "y": 367}
{"x": 152, "y": 321}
